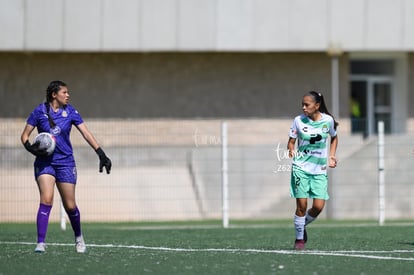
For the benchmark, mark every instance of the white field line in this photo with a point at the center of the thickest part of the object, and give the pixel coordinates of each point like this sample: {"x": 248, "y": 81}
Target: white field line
{"x": 340, "y": 253}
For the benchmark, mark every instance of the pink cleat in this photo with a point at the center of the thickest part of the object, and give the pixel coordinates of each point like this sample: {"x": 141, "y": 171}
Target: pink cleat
{"x": 299, "y": 244}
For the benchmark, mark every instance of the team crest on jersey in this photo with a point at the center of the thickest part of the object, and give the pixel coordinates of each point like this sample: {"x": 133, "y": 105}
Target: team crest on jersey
{"x": 64, "y": 113}
{"x": 325, "y": 128}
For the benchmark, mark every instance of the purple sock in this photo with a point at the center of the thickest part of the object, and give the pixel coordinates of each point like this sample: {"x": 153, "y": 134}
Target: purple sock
{"x": 74, "y": 217}
{"x": 42, "y": 221}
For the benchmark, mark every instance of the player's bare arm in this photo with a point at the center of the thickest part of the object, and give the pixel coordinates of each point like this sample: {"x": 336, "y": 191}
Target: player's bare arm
{"x": 291, "y": 147}
{"x": 87, "y": 135}
{"x": 104, "y": 161}
{"x": 332, "y": 152}
{"x": 28, "y": 129}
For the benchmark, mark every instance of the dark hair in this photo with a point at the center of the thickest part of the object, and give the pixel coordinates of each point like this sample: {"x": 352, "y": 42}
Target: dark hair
{"x": 53, "y": 87}
{"x": 318, "y": 97}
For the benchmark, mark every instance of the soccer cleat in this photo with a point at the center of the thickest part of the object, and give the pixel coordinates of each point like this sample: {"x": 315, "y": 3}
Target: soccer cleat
{"x": 305, "y": 236}
{"x": 299, "y": 244}
{"x": 80, "y": 244}
{"x": 40, "y": 248}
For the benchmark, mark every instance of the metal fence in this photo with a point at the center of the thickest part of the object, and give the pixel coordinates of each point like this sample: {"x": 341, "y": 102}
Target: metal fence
{"x": 173, "y": 170}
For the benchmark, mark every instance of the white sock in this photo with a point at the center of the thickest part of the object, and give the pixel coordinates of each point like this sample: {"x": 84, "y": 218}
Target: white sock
{"x": 299, "y": 223}
{"x": 309, "y": 219}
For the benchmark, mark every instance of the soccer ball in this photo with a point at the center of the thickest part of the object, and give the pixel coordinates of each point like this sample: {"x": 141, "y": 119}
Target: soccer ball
{"x": 47, "y": 141}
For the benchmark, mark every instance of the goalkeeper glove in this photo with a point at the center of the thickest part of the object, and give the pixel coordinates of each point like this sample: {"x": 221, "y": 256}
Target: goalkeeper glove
{"x": 104, "y": 161}
{"x": 34, "y": 149}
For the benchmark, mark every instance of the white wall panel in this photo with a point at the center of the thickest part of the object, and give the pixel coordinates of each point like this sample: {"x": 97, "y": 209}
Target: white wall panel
{"x": 158, "y": 24}
{"x": 210, "y": 25}
{"x": 120, "y": 24}
{"x": 82, "y": 26}
{"x": 234, "y": 24}
{"x": 44, "y": 25}
{"x": 408, "y": 29}
{"x": 11, "y": 25}
{"x": 384, "y": 24}
{"x": 347, "y": 23}
{"x": 196, "y": 24}
{"x": 271, "y": 24}
{"x": 308, "y": 24}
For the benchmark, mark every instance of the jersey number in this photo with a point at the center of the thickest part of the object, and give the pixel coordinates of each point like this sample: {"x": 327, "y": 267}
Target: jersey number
{"x": 314, "y": 138}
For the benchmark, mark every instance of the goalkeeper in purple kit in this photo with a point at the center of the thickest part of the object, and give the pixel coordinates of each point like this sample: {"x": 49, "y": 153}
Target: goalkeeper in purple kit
{"x": 56, "y": 117}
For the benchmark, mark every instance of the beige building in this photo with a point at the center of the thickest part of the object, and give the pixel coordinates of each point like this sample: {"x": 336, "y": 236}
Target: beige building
{"x": 210, "y": 58}
{"x": 167, "y": 62}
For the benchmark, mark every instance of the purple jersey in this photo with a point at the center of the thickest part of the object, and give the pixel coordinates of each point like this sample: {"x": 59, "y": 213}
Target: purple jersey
{"x": 64, "y": 118}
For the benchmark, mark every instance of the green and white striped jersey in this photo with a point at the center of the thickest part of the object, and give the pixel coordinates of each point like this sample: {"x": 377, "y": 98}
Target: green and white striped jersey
{"x": 312, "y": 136}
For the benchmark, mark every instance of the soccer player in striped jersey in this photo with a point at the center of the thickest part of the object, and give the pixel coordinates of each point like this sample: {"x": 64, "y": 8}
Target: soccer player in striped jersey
{"x": 56, "y": 117}
{"x": 317, "y": 140}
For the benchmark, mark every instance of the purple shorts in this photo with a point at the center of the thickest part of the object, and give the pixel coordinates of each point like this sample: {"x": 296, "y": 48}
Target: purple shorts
{"x": 66, "y": 174}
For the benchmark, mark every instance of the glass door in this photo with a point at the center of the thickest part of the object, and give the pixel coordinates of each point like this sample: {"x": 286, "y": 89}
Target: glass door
{"x": 370, "y": 103}
{"x": 382, "y": 105}
{"x": 359, "y": 105}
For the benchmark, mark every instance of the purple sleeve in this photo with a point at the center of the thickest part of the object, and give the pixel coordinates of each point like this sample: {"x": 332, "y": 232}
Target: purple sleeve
{"x": 76, "y": 117}
{"x": 33, "y": 117}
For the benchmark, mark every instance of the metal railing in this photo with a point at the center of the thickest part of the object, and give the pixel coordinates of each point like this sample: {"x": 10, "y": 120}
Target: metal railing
{"x": 173, "y": 170}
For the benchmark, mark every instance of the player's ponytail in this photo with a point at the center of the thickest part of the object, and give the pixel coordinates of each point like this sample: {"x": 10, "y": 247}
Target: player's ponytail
{"x": 318, "y": 97}
{"x": 53, "y": 87}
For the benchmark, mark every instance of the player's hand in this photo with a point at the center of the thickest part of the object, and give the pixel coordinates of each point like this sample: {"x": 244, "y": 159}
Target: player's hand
{"x": 104, "y": 161}
{"x": 34, "y": 149}
{"x": 332, "y": 161}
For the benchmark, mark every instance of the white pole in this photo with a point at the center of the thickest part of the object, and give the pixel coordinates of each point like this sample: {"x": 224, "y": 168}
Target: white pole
{"x": 62, "y": 217}
{"x": 335, "y": 85}
{"x": 224, "y": 170}
{"x": 332, "y": 204}
{"x": 334, "y": 51}
{"x": 381, "y": 176}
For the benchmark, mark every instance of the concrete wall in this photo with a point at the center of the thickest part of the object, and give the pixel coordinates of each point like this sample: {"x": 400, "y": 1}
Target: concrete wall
{"x": 171, "y": 85}
{"x": 207, "y": 25}
{"x": 410, "y": 100}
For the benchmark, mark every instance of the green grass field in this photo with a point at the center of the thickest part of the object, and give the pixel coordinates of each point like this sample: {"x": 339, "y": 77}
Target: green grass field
{"x": 206, "y": 248}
